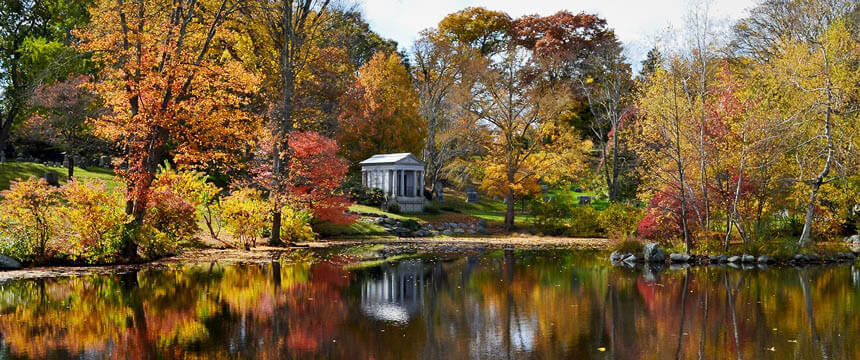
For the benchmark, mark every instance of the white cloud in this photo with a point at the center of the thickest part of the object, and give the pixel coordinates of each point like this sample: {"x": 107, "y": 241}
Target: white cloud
{"x": 636, "y": 22}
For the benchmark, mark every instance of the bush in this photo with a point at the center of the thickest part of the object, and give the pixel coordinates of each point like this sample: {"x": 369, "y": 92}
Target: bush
{"x": 193, "y": 187}
{"x": 173, "y": 217}
{"x": 28, "y": 219}
{"x": 93, "y": 221}
{"x": 296, "y": 225}
{"x": 410, "y": 224}
{"x": 245, "y": 215}
{"x": 394, "y": 208}
{"x": 628, "y": 246}
{"x": 584, "y": 222}
{"x": 362, "y": 194}
{"x": 619, "y": 220}
{"x": 551, "y": 215}
{"x": 432, "y": 210}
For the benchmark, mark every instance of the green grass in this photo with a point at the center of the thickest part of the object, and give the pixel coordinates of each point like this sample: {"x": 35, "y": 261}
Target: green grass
{"x": 21, "y": 170}
{"x": 356, "y": 229}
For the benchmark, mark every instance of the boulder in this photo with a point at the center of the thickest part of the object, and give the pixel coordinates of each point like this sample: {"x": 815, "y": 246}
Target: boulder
{"x": 748, "y": 258}
{"x": 799, "y": 257}
{"x": 652, "y": 253}
{"x": 8, "y": 263}
{"x": 630, "y": 258}
{"x": 52, "y": 178}
{"x": 764, "y": 259}
{"x": 734, "y": 259}
{"x": 854, "y": 239}
{"x": 616, "y": 256}
{"x": 447, "y": 233}
{"x": 718, "y": 259}
{"x": 846, "y": 256}
{"x": 679, "y": 258}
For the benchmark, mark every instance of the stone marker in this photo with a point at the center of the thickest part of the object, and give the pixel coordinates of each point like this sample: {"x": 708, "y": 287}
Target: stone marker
{"x": 52, "y": 178}
{"x": 651, "y": 252}
{"x": 472, "y": 196}
{"x": 584, "y": 199}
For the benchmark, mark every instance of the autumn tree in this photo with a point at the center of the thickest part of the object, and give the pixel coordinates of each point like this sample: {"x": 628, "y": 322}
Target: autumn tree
{"x": 607, "y": 84}
{"x": 818, "y": 82}
{"x": 527, "y": 141}
{"x": 380, "y": 111}
{"x": 36, "y": 47}
{"x": 290, "y": 29}
{"x": 170, "y": 91}
{"x": 63, "y": 112}
{"x": 442, "y": 76}
{"x": 486, "y": 31}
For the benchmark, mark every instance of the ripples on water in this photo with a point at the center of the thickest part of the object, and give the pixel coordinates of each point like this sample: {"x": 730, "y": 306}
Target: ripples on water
{"x": 502, "y": 304}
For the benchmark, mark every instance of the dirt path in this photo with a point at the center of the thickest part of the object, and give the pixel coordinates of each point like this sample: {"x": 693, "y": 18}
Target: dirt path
{"x": 264, "y": 254}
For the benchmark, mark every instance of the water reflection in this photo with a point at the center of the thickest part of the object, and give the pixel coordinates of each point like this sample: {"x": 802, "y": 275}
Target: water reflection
{"x": 501, "y": 304}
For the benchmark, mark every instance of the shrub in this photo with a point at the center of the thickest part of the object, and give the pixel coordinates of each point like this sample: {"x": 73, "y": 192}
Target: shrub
{"x": 432, "y": 210}
{"x": 394, "y": 208}
{"x": 173, "y": 217}
{"x": 584, "y": 222}
{"x": 193, "y": 187}
{"x": 551, "y": 215}
{"x": 619, "y": 220}
{"x": 93, "y": 221}
{"x": 246, "y": 215}
{"x": 410, "y": 224}
{"x": 362, "y": 194}
{"x": 296, "y": 225}
{"x": 28, "y": 219}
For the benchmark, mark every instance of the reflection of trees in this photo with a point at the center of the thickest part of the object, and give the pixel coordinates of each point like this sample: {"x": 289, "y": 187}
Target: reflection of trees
{"x": 505, "y": 304}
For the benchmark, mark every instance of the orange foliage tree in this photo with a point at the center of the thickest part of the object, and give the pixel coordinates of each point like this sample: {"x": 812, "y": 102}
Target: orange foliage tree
{"x": 380, "y": 111}
{"x": 172, "y": 87}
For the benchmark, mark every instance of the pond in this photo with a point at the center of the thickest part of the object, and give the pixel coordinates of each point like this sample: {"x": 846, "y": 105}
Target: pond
{"x": 490, "y": 304}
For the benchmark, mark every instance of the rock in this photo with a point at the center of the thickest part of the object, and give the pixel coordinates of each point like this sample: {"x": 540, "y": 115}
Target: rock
{"x": 615, "y": 256}
{"x": 652, "y": 253}
{"x": 718, "y": 259}
{"x": 812, "y": 257}
{"x": 764, "y": 259}
{"x": 630, "y": 258}
{"x": 8, "y": 263}
{"x": 799, "y": 257}
{"x": 679, "y": 258}
{"x": 734, "y": 259}
{"x": 854, "y": 239}
{"x": 459, "y": 231}
{"x": 748, "y": 258}
{"x": 846, "y": 256}
{"x": 447, "y": 233}
{"x": 650, "y": 271}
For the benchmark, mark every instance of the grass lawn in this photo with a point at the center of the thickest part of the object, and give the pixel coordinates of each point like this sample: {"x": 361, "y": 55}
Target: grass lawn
{"x": 14, "y": 170}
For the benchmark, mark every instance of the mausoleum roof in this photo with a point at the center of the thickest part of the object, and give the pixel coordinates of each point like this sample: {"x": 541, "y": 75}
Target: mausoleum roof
{"x": 398, "y": 158}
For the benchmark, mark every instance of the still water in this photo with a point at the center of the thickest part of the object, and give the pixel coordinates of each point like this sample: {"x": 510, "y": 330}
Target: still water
{"x": 495, "y": 304}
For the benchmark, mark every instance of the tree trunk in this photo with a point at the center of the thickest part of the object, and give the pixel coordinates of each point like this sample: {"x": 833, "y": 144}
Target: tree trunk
{"x": 819, "y": 180}
{"x": 6, "y": 127}
{"x": 71, "y": 166}
{"x": 509, "y": 204}
{"x": 275, "y": 236}
{"x": 613, "y": 191}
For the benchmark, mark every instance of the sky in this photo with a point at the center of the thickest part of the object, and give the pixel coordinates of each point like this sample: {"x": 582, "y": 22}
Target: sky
{"x": 637, "y": 23}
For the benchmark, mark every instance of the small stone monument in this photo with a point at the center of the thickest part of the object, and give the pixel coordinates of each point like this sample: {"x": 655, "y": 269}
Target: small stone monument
{"x": 439, "y": 192}
{"x": 584, "y": 199}
{"x": 52, "y": 178}
{"x": 471, "y": 195}
{"x": 578, "y": 189}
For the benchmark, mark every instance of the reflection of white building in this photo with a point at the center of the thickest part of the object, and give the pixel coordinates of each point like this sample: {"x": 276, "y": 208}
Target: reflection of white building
{"x": 398, "y": 295}
{"x": 400, "y": 176}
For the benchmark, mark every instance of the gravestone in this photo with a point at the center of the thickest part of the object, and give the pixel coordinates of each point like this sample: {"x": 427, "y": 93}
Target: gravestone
{"x": 472, "y": 196}
{"x": 579, "y": 189}
{"x": 52, "y": 178}
{"x": 547, "y": 198}
{"x": 439, "y": 192}
{"x": 584, "y": 199}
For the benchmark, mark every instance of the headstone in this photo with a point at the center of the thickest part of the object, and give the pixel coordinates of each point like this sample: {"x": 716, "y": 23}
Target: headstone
{"x": 52, "y": 178}
{"x": 472, "y": 197}
{"x": 439, "y": 191}
{"x": 579, "y": 189}
{"x": 547, "y": 198}
{"x": 584, "y": 199}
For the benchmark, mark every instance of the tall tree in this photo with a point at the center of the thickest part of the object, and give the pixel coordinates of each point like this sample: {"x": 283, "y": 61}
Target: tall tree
{"x": 527, "y": 139}
{"x": 607, "y": 86}
{"x": 820, "y": 85}
{"x": 35, "y": 48}
{"x": 170, "y": 93}
{"x": 442, "y": 75}
{"x": 380, "y": 111}
{"x": 291, "y": 29}
{"x": 487, "y": 31}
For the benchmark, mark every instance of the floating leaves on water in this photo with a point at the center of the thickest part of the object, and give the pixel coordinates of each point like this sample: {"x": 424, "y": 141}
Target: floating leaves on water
{"x": 601, "y": 349}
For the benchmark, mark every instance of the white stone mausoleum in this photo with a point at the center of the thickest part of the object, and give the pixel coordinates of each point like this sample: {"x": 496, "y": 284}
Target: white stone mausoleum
{"x": 400, "y": 177}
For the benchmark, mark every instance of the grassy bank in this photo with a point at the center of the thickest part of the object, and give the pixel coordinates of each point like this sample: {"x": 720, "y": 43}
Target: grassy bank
{"x": 21, "y": 170}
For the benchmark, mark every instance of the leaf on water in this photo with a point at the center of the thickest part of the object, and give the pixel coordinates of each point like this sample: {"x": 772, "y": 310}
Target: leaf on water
{"x": 601, "y": 349}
